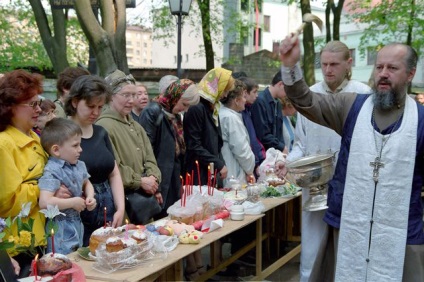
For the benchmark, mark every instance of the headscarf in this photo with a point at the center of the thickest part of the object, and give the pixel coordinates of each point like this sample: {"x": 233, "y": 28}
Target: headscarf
{"x": 212, "y": 86}
{"x": 168, "y": 101}
{"x": 118, "y": 79}
{"x": 173, "y": 94}
{"x": 165, "y": 81}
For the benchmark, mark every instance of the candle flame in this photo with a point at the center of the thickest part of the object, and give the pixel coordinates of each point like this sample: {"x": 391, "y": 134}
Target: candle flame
{"x": 197, "y": 162}
{"x": 36, "y": 257}
{"x": 181, "y": 177}
{"x": 52, "y": 232}
{"x": 126, "y": 221}
{"x": 105, "y": 208}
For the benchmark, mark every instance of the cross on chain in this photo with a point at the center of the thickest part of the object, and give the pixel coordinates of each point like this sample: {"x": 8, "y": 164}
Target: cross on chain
{"x": 376, "y": 164}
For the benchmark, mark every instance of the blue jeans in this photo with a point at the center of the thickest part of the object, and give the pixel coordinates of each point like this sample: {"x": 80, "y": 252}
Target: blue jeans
{"x": 68, "y": 237}
{"x": 95, "y": 219}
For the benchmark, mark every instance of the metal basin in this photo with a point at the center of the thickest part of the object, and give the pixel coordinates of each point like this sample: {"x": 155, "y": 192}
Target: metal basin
{"x": 311, "y": 171}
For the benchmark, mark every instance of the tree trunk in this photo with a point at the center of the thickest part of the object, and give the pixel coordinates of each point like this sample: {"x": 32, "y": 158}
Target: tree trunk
{"x": 55, "y": 45}
{"x": 328, "y": 21}
{"x": 410, "y": 30}
{"x": 337, "y": 12}
{"x": 206, "y": 33}
{"x": 308, "y": 47}
{"x": 108, "y": 40}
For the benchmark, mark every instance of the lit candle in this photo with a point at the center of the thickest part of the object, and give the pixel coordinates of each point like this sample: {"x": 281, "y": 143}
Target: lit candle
{"x": 198, "y": 176}
{"x": 52, "y": 234}
{"x": 34, "y": 267}
{"x": 126, "y": 229}
{"x": 104, "y": 215}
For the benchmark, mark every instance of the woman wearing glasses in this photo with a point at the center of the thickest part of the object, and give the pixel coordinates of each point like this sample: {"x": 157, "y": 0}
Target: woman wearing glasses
{"x": 22, "y": 157}
{"x": 132, "y": 148}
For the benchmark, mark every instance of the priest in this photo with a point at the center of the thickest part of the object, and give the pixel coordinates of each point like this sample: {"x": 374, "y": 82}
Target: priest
{"x": 375, "y": 215}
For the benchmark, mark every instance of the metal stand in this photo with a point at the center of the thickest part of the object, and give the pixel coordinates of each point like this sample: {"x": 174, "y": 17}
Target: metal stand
{"x": 317, "y": 199}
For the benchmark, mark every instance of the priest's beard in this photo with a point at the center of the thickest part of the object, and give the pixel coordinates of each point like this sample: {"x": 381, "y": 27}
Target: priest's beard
{"x": 385, "y": 100}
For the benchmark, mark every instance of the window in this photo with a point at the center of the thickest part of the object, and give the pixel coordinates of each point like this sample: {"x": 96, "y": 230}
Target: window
{"x": 137, "y": 52}
{"x": 267, "y": 23}
{"x": 186, "y": 58}
{"x": 145, "y": 44}
{"x": 353, "y": 55}
{"x": 129, "y": 43}
{"x": 317, "y": 62}
{"x": 254, "y": 36}
{"x": 371, "y": 55}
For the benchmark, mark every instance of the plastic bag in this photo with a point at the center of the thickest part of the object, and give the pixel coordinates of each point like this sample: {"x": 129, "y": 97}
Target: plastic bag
{"x": 272, "y": 156}
{"x": 253, "y": 208}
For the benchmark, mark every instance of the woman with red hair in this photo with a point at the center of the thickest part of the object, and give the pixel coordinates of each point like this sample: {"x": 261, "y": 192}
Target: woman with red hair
{"x": 22, "y": 155}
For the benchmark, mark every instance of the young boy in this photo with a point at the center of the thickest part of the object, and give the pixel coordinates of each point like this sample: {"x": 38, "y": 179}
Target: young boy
{"x": 61, "y": 138}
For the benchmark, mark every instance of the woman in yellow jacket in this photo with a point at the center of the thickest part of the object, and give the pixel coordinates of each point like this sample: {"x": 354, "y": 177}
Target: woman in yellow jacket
{"x": 22, "y": 157}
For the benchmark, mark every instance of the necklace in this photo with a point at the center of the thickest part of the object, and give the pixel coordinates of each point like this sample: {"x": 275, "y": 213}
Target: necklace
{"x": 377, "y": 163}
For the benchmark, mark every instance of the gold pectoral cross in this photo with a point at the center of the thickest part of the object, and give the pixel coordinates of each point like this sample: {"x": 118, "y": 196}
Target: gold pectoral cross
{"x": 376, "y": 164}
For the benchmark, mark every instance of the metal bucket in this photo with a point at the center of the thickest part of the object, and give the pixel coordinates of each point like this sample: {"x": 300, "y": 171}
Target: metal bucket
{"x": 311, "y": 171}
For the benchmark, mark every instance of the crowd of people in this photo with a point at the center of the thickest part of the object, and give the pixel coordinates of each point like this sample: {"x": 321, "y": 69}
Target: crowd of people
{"x": 104, "y": 141}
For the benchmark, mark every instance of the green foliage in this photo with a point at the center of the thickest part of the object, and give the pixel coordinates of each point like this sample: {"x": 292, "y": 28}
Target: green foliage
{"x": 20, "y": 43}
{"x": 390, "y": 21}
{"x": 20, "y": 40}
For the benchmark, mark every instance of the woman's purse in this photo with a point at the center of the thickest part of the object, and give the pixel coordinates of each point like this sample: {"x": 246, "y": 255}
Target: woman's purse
{"x": 140, "y": 206}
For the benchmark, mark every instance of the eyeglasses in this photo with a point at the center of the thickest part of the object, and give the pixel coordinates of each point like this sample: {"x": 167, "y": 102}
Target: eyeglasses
{"x": 127, "y": 96}
{"x": 33, "y": 104}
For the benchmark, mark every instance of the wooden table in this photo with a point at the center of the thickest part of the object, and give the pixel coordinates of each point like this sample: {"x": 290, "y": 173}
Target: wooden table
{"x": 171, "y": 269}
{"x": 174, "y": 260}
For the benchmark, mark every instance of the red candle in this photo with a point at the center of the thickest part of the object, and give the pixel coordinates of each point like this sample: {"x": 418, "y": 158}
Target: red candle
{"x": 104, "y": 215}
{"x": 198, "y": 176}
{"x": 192, "y": 180}
{"x": 52, "y": 234}
{"x": 209, "y": 179}
{"x": 34, "y": 267}
{"x": 182, "y": 189}
{"x": 186, "y": 181}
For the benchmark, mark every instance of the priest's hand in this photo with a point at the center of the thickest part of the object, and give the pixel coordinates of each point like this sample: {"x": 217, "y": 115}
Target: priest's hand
{"x": 290, "y": 51}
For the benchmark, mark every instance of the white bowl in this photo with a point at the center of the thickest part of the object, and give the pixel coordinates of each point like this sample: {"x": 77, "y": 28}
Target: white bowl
{"x": 237, "y": 208}
{"x": 237, "y": 215}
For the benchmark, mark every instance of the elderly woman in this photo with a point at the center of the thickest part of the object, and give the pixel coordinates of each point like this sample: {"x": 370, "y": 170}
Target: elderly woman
{"x": 236, "y": 150}
{"x": 163, "y": 124}
{"x": 22, "y": 157}
{"x": 84, "y": 104}
{"x": 133, "y": 151}
{"x": 202, "y": 131}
